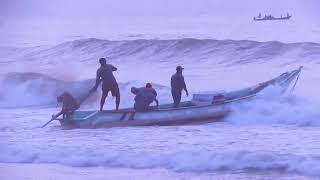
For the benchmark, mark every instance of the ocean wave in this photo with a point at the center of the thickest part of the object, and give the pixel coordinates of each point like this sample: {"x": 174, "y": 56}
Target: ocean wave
{"x": 194, "y": 161}
{"x": 228, "y": 52}
{"x": 32, "y": 89}
{"x": 35, "y": 89}
{"x": 268, "y": 108}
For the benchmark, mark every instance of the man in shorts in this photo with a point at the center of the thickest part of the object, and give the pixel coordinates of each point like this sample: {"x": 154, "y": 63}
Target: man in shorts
{"x": 109, "y": 83}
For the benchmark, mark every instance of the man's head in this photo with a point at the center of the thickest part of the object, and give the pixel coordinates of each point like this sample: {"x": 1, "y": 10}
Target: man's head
{"x": 134, "y": 90}
{"x": 148, "y": 85}
{"x": 179, "y": 69}
{"x": 102, "y": 61}
{"x": 60, "y": 98}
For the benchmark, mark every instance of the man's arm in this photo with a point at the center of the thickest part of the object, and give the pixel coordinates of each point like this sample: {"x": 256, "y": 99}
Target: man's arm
{"x": 157, "y": 102}
{"x": 114, "y": 68}
{"x": 185, "y": 86}
{"x": 63, "y": 110}
{"x": 154, "y": 92}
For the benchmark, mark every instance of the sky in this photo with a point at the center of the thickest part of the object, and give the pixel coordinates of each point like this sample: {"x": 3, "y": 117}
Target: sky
{"x": 95, "y": 8}
{"x": 40, "y": 22}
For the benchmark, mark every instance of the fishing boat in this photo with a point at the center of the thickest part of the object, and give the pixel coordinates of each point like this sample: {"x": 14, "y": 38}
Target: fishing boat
{"x": 203, "y": 108}
{"x": 271, "y": 18}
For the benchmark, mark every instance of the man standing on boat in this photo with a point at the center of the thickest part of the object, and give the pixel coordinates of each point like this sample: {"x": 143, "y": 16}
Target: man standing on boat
{"x": 69, "y": 105}
{"x": 109, "y": 83}
{"x": 144, "y": 97}
{"x": 177, "y": 85}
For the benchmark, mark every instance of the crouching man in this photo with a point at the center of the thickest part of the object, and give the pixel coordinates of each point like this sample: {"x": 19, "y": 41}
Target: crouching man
{"x": 69, "y": 105}
{"x": 144, "y": 97}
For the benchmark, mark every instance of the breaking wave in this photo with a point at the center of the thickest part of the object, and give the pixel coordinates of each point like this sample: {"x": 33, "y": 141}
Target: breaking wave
{"x": 34, "y": 89}
{"x": 286, "y": 109}
{"x": 224, "y": 52}
{"x": 204, "y": 161}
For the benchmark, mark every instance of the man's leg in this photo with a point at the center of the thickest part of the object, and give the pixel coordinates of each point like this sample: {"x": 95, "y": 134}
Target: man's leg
{"x": 69, "y": 113}
{"x": 117, "y": 102}
{"x": 179, "y": 98}
{"x": 103, "y": 99}
{"x": 116, "y": 93}
{"x": 175, "y": 99}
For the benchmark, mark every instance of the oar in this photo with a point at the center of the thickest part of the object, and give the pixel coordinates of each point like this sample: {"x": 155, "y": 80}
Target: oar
{"x": 48, "y": 122}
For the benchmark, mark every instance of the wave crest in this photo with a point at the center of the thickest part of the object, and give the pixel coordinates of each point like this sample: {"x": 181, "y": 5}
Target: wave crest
{"x": 229, "y": 52}
{"x": 203, "y": 161}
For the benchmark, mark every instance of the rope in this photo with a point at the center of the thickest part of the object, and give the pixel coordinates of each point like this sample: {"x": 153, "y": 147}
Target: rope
{"x": 295, "y": 83}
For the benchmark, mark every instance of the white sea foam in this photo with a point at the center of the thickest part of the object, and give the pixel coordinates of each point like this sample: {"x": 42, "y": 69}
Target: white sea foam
{"x": 268, "y": 109}
{"x": 202, "y": 161}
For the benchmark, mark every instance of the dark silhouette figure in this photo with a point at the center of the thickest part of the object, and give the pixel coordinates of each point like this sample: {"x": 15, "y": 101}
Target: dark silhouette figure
{"x": 144, "y": 97}
{"x": 177, "y": 85}
{"x": 69, "y": 105}
{"x": 109, "y": 83}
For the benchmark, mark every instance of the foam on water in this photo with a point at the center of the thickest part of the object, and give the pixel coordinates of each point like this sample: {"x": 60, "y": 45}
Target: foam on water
{"x": 201, "y": 161}
{"x": 272, "y": 108}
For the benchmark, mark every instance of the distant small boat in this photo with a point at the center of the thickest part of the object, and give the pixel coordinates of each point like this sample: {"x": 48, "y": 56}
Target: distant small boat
{"x": 204, "y": 108}
{"x": 271, "y": 18}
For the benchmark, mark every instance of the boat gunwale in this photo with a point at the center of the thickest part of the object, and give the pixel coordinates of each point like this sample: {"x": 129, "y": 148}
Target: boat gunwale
{"x": 170, "y": 109}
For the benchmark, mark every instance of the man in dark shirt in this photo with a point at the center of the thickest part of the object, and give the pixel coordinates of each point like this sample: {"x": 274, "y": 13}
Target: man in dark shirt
{"x": 177, "y": 85}
{"x": 69, "y": 105}
{"x": 144, "y": 97}
{"x": 109, "y": 83}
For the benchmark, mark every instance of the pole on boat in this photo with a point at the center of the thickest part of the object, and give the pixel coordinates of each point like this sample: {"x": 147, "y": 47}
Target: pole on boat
{"x": 48, "y": 122}
{"x": 295, "y": 83}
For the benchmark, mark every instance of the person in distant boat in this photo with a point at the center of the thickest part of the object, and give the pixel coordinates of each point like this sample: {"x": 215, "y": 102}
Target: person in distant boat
{"x": 109, "y": 83}
{"x": 177, "y": 85}
{"x": 144, "y": 97}
{"x": 69, "y": 105}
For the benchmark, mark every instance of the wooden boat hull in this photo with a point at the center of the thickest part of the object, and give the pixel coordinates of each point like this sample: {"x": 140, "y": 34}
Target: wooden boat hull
{"x": 155, "y": 118}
